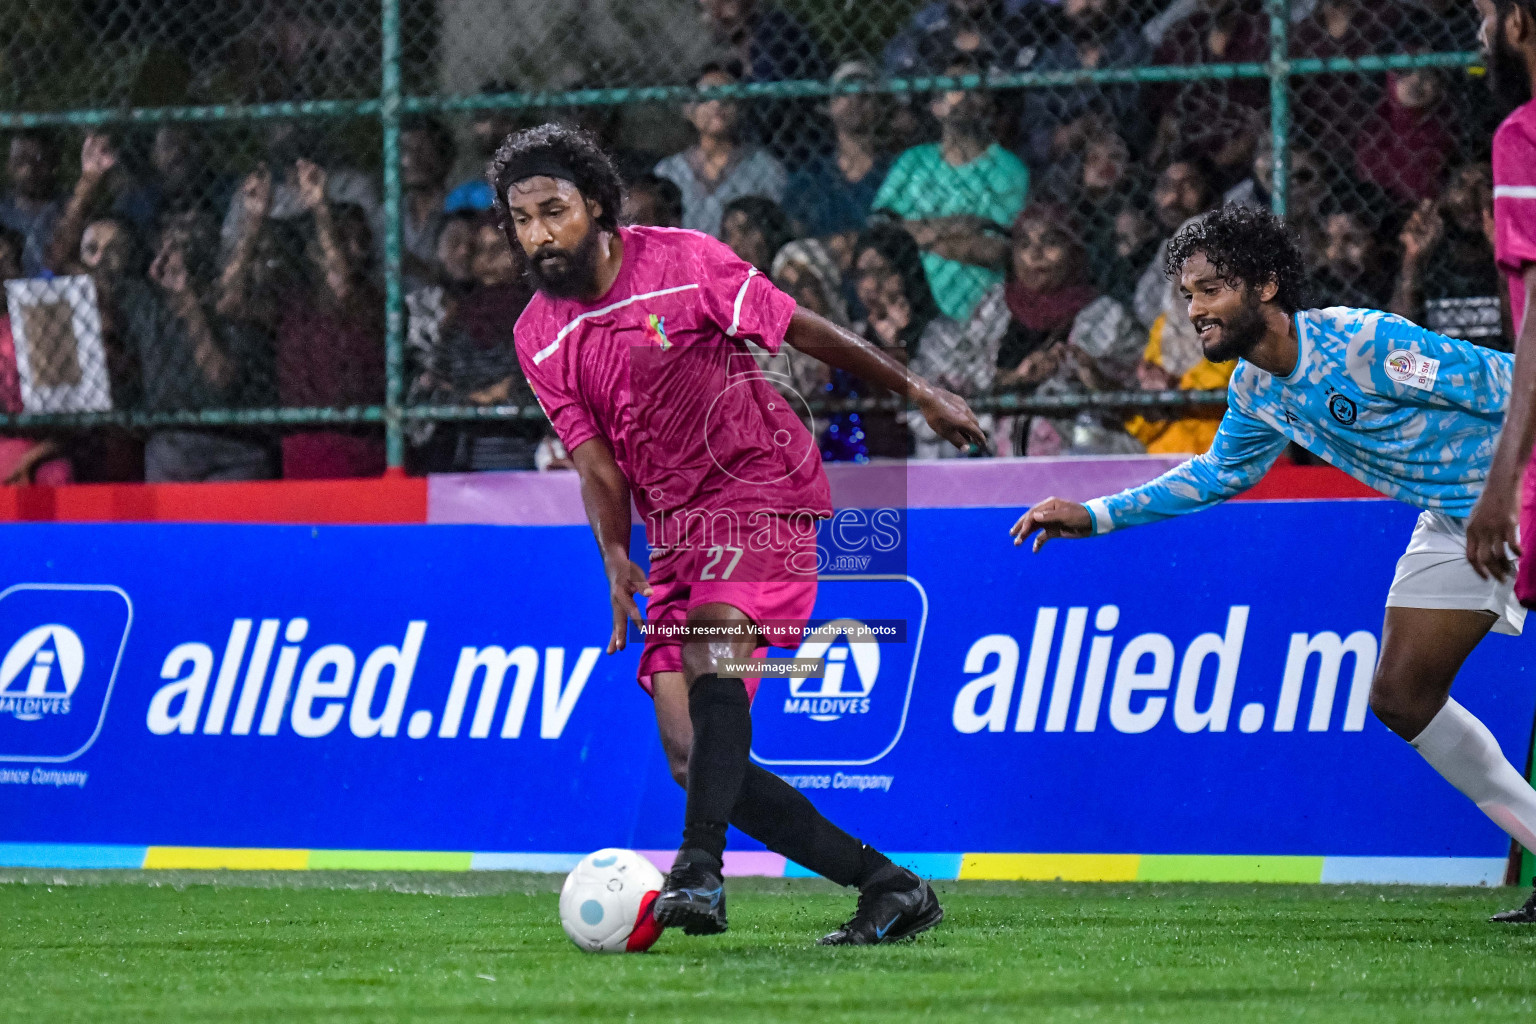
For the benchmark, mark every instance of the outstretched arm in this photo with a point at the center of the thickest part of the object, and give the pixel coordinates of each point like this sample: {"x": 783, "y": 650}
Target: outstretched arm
{"x": 235, "y": 291}
{"x": 945, "y": 411}
{"x": 97, "y": 158}
{"x": 332, "y": 259}
{"x": 1242, "y": 453}
{"x": 169, "y": 271}
{"x": 605, "y": 494}
{"x": 1418, "y": 239}
{"x": 1495, "y": 518}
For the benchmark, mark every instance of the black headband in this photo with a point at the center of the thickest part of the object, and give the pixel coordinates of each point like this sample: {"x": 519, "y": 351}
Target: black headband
{"x": 536, "y": 165}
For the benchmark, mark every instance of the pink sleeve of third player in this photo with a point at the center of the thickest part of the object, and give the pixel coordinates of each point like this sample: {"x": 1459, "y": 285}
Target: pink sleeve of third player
{"x": 740, "y": 299}
{"x": 1514, "y": 194}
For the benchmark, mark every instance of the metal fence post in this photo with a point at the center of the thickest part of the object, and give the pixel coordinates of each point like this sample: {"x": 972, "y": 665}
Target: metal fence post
{"x": 1280, "y": 100}
{"x": 394, "y": 298}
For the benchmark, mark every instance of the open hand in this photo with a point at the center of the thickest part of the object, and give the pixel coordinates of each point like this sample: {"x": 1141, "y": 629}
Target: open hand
{"x": 256, "y": 195}
{"x": 169, "y": 270}
{"x": 97, "y": 156}
{"x": 1052, "y": 518}
{"x": 312, "y": 181}
{"x": 950, "y": 418}
{"x": 624, "y": 582}
{"x": 1151, "y": 377}
{"x": 1492, "y": 532}
{"x": 894, "y": 316}
{"x": 1422, "y": 232}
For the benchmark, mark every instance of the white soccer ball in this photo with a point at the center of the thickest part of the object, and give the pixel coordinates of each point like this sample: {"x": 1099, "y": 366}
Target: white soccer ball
{"x": 605, "y": 904}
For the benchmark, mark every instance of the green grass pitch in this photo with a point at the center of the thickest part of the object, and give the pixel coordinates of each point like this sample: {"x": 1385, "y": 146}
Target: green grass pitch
{"x": 324, "y": 946}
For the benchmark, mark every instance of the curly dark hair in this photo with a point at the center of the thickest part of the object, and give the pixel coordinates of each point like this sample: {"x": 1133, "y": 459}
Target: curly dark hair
{"x": 1247, "y": 246}
{"x": 593, "y": 170}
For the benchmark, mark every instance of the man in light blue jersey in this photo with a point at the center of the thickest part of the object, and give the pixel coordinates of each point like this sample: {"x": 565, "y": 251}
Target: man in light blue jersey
{"x": 1412, "y": 413}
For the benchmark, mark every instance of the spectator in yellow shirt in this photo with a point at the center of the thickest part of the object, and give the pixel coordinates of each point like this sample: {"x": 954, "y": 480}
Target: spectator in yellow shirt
{"x": 1192, "y": 433}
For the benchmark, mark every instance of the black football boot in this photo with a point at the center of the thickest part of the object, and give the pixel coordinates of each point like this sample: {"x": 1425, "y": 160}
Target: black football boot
{"x": 693, "y": 896}
{"x": 895, "y": 905}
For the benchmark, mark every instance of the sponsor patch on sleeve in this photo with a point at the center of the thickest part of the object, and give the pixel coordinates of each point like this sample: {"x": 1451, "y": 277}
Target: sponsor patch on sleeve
{"x": 1412, "y": 369}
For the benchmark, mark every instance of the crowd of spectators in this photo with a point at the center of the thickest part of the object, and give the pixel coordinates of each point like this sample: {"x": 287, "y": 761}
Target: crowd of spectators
{"x": 997, "y": 240}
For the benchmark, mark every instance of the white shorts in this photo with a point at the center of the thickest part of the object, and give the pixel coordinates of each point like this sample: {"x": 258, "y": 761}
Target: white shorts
{"x": 1434, "y": 573}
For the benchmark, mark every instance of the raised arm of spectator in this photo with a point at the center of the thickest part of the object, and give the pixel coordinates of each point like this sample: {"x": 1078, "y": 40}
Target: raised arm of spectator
{"x": 97, "y": 158}
{"x": 1419, "y": 237}
{"x": 238, "y": 278}
{"x": 169, "y": 271}
{"x": 332, "y": 259}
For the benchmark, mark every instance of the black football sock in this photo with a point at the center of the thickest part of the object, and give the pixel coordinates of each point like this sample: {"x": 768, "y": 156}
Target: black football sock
{"x": 875, "y": 866}
{"x": 722, "y": 744}
{"x": 780, "y": 817}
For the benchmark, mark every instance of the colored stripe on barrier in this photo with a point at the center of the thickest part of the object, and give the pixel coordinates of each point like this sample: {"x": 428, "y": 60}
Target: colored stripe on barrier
{"x": 1414, "y": 870}
{"x": 549, "y": 863}
{"x": 235, "y": 859}
{"x": 388, "y": 860}
{"x": 1043, "y": 867}
{"x": 1051, "y": 867}
{"x": 738, "y": 863}
{"x": 1165, "y": 868}
{"x": 944, "y": 866}
{"x": 70, "y": 855}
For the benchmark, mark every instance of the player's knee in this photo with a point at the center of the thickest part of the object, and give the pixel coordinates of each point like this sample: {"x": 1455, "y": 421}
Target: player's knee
{"x": 1385, "y": 705}
{"x": 1401, "y": 704}
{"x": 698, "y": 660}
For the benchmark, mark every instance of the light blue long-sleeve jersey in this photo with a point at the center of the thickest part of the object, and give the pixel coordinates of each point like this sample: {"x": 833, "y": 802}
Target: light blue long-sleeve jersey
{"x": 1411, "y": 413}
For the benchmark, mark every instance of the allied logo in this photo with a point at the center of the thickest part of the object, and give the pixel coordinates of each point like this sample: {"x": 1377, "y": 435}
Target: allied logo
{"x": 856, "y": 712}
{"x": 60, "y": 647}
{"x": 40, "y": 673}
{"x": 1343, "y": 409}
{"x": 1412, "y": 369}
{"x": 839, "y": 692}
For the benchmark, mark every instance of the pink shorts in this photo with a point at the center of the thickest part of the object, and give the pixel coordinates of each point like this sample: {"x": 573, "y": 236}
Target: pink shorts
{"x": 772, "y": 588}
{"x": 1525, "y": 574}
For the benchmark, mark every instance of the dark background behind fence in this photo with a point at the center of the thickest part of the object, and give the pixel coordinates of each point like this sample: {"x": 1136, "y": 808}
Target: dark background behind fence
{"x": 270, "y": 252}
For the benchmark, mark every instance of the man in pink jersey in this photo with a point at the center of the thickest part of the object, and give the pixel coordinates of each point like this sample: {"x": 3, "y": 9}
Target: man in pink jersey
{"x": 635, "y": 345}
{"x": 1502, "y": 515}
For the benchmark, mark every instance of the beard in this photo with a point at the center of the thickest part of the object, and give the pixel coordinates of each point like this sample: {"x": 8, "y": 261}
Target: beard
{"x": 567, "y": 273}
{"x": 1240, "y": 333}
{"x": 1507, "y": 76}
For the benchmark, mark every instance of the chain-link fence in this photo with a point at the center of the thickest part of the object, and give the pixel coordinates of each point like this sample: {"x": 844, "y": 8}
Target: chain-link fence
{"x": 251, "y": 238}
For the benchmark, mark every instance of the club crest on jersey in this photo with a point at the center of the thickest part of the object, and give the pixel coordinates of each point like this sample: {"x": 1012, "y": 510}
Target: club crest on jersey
{"x": 1343, "y": 409}
{"x": 1412, "y": 369}
{"x": 656, "y": 330}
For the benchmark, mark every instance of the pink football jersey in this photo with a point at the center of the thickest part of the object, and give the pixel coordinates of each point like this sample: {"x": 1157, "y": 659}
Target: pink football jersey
{"x": 659, "y": 368}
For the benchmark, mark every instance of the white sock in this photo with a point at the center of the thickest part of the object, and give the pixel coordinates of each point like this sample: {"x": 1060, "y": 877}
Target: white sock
{"x": 1461, "y": 748}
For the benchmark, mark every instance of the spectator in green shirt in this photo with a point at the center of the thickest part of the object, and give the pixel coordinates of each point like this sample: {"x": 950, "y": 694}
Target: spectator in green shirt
{"x": 956, "y": 197}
